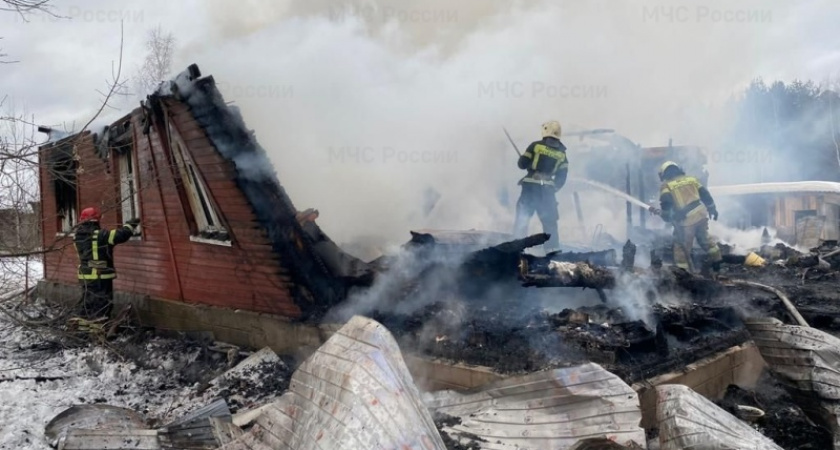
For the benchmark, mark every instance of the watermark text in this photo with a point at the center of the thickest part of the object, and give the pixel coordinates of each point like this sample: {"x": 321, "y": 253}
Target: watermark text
{"x": 704, "y": 14}
{"x": 534, "y": 89}
{"x": 389, "y": 155}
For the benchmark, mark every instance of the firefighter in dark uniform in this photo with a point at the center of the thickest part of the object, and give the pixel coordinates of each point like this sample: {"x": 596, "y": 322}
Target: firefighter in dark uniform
{"x": 688, "y": 206}
{"x": 95, "y": 247}
{"x": 547, "y": 166}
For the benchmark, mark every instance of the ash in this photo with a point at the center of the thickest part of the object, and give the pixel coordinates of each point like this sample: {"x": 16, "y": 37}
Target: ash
{"x": 162, "y": 378}
{"x": 783, "y": 422}
{"x": 537, "y": 339}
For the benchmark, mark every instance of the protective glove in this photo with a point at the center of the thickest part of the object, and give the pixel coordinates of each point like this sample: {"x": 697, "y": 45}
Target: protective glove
{"x": 655, "y": 211}
{"x": 713, "y": 214}
{"x": 133, "y": 222}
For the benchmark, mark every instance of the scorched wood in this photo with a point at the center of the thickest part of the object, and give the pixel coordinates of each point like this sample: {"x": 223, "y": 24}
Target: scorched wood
{"x": 544, "y": 272}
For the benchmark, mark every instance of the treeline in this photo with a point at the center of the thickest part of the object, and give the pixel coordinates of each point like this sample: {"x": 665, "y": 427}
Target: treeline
{"x": 785, "y": 132}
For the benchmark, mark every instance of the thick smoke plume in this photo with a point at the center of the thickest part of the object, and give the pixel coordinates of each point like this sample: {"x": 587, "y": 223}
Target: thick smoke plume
{"x": 364, "y": 106}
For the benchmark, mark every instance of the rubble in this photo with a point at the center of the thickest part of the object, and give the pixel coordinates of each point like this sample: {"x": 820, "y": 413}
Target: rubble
{"x": 558, "y": 408}
{"x": 200, "y": 429}
{"x": 354, "y": 392}
{"x": 488, "y": 317}
{"x": 688, "y": 420}
{"x": 807, "y": 362}
{"x": 534, "y": 340}
{"x": 262, "y": 375}
{"x": 92, "y": 417}
{"x": 783, "y": 421}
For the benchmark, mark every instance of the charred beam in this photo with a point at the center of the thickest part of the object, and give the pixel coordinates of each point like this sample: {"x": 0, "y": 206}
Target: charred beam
{"x": 543, "y": 272}
{"x": 599, "y": 258}
{"x": 628, "y": 260}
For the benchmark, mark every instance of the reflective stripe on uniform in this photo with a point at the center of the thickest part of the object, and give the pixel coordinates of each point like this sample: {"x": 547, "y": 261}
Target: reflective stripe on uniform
{"x": 95, "y": 246}
{"x": 684, "y": 190}
{"x": 93, "y": 275}
{"x": 111, "y": 236}
{"x": 95, "y": 263}
{"x": 540, "y": 182}
{"x": 544, "y": 150}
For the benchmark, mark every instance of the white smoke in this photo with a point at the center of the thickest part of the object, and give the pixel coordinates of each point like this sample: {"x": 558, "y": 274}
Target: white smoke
{"x": 364, "y": 107}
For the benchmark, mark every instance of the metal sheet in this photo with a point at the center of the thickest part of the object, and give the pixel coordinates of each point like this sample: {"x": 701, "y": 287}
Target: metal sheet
{"x": 354, "y": 392}
{"x": 687, "y": 420}
{"x": 78, "y": 439}
{"x": 807, "y": 361}
{"x": 582, "y": 407}
{"x": 93, "y": 417}
{"x": 196, "y": 430}
{"x": 804, "y": 358}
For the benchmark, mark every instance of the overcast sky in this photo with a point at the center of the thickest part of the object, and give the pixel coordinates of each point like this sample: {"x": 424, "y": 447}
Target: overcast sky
{"x": 417, "y": 79}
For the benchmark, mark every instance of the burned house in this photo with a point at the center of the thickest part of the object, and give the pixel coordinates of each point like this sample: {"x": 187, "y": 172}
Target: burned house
{"x": 802, "y": 213}
{"x": 217, "y": 230}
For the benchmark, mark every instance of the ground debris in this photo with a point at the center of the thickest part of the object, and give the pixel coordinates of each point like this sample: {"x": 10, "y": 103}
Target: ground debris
{"x": 687, "y": 420}
{"x": 783, "y": 421}
{"x": 443, "y": 421}
{"x": 260, "y": 377}
{"x": 534, "y": 339}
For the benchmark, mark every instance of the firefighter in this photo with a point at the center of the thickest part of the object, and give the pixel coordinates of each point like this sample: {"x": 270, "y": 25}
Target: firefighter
{"x": 547, "y": 166}
{"x": 95, "y": 247}
{"x": 688, "y": 206}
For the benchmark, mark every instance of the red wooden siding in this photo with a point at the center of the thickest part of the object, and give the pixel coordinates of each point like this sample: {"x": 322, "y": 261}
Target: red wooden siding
{"x": 246, "y": 275}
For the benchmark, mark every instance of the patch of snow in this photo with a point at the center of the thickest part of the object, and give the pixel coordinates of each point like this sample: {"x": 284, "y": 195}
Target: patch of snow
{"x": 31, "y": 397}
{"x": 161, "y": 378}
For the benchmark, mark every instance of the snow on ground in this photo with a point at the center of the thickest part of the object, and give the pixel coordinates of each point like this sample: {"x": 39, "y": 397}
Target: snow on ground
{"x": 13, "y": 272}
{"x": 158, "y": 377}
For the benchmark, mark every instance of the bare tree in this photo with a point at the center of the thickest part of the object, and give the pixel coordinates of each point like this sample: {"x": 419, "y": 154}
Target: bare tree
{"x": 19, "y": 189}
{"x": 26, "y": 7}
{"x": 160, "y": 47}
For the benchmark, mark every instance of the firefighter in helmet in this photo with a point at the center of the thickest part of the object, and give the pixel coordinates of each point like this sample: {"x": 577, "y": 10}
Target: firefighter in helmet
{"x": 95, "y": 247}
{"x": 688, "y": 206}
{"x": 547, "y": 166}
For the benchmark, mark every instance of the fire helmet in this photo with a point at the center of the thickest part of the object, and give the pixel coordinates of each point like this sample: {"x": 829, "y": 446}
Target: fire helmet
{"x": 551, "y": 128}
{"x": 665, "y": 167}
{"x": 90, "y": 214}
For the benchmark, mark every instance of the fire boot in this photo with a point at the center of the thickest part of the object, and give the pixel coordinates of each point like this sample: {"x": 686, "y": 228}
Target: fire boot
{"x": 710, "y": 269}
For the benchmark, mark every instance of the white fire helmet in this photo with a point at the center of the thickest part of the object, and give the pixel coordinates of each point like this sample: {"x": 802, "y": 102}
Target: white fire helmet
{"x": 551, "y": 128}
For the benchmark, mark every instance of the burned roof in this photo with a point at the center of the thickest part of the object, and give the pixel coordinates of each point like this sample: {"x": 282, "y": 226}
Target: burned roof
{"x": 317, "y": 288}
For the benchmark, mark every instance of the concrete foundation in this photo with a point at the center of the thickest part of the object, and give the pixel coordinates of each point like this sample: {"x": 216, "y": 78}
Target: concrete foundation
{"x": 238, "y": 327}
{"x": 739, "y": 365}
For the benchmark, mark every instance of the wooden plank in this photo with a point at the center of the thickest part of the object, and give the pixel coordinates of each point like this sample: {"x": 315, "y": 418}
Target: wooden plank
{"x": 193, "y": 136}
{"x": 254, "y": 265}
{"x": 177, "y": 109}
{"x": 228, "y": 295}
{"x": 235, "y": 282}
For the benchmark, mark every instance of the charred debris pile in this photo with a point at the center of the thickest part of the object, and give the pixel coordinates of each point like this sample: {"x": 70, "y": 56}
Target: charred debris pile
{"x": 482, "y": 300}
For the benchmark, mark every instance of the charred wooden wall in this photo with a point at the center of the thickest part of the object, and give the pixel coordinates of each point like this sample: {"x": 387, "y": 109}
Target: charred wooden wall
{"x": 165, "y": 263}
{"x": 825, "y": 206}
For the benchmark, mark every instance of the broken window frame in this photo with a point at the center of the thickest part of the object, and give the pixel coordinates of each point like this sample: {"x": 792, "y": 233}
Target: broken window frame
{"x": 124, "y": 159}
{"x": 63, "y": 169}
{"x": 207, "y": 226}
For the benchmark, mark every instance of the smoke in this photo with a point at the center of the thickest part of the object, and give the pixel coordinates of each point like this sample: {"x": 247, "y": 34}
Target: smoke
{"x": 743, "y": 241}
{"x": 363, "y": 106}
{"x": 415, "y": 279}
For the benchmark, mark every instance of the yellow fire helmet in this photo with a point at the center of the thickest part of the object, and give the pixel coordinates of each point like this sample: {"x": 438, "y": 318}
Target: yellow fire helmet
{"x": 551, "y": 128}
{"x": 665, "y": 167}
